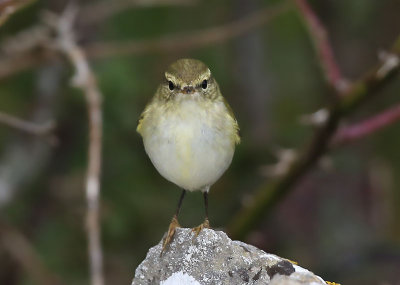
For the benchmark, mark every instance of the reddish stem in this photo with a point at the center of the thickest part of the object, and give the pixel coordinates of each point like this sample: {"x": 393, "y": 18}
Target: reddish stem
{"x": 323, "y": 47}
{"x": 371, "y": 125}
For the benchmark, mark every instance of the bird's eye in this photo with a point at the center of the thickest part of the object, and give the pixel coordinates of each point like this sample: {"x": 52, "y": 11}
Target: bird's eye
{"x": 171, "y": 85}
{"x": 204, "y": 84}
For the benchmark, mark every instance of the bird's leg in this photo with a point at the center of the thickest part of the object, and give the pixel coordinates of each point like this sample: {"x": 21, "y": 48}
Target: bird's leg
{"x": 173, "y": 225}
{"x": 206, "y": 223}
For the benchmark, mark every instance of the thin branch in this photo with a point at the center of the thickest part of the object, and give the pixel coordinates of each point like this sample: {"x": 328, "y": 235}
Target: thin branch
{"x": 92, "y": 13}
{"x": 10, "y": 66}
{"x": 85, "y": 80}
{"x": 347, "y": 134}
{"x": 9, "y": 7}
{"x": 192, "y": 40}
{"x": 174, "y": 42}
{"x": 29, "y": 39}
{"x": 323, "y": 47}
{"x": 19, "y": 248}
{"x": 101, "y": 10}
{"x": 24, "y": 159}
{"x": 44, "y": 129}
{"x": 24, "y": 50}
{"x": 270, "y": 193}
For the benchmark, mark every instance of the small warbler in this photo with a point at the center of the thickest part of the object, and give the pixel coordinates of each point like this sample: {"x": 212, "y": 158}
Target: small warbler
{"x": 189, "y": 132}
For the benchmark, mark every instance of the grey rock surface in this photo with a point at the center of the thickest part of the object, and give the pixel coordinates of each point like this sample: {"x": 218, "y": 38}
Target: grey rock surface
{"x": 213, "y": 258}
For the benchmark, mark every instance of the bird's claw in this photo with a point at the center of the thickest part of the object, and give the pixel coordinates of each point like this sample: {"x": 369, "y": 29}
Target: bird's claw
{"x": 204, "y": 225}
{"x": 170, "y": 234}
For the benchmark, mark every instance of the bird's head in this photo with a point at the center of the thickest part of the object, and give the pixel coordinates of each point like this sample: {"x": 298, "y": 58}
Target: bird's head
{"x": 188, "y": 77}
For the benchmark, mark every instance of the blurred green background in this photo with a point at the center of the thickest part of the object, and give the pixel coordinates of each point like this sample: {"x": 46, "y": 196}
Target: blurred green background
{"x": 342, "y": 221}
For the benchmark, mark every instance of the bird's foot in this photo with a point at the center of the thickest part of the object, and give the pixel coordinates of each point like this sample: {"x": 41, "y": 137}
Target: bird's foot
{"x": 204, "y": 225}
{"x": 170, "y": 234}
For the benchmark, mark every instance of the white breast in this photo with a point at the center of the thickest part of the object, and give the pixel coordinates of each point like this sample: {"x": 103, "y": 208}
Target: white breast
{"x": 191, "y": 146}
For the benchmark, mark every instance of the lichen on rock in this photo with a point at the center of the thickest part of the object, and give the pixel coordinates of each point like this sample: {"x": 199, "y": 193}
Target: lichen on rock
{"x": 213, "y": 258}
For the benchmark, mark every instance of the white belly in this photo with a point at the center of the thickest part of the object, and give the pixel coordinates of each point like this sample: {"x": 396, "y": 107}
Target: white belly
{"x": 188, "y": 148}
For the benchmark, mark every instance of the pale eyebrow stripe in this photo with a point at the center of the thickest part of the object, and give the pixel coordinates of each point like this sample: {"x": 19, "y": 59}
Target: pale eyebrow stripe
{"x": 169, "y": 76}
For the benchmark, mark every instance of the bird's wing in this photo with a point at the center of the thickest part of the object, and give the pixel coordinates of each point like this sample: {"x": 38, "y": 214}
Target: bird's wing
{"x": 139, "y": 123}
{"x": 141, "y": 118}
{"x": 235, "y": 123}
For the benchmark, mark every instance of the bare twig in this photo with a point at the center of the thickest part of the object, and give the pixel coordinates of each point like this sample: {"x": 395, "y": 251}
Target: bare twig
{"x": 26, "y": 40}
{"x": 19, "y": 248}
{"x": 9, "y": 7}
{"x": 270, "y": 193}
{"x": 22, "y": 159}
{"x": 194, "y": 39}
{"x": 32, "y": 128}
{"x": 85, "y": 79}
{"x": 285, "y": 158}
{"x": 367, "y": 127}
{"x": 10, "y": 66}
{"x": 191, "y": 40}
{"x": 98, "y": 11}
{"x": 21, "y": 51}
{"x": 101, "y": 10}
{"x": 323, "y": 47}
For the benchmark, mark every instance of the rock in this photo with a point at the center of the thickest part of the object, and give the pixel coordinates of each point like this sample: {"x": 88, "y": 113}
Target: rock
{"x": 213, "y": 258}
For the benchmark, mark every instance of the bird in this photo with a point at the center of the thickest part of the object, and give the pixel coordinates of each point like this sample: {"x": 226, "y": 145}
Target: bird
{"x": 189, "y": 132}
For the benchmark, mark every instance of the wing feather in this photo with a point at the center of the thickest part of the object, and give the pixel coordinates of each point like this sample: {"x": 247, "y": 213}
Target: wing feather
{"x": 235, "y": 123}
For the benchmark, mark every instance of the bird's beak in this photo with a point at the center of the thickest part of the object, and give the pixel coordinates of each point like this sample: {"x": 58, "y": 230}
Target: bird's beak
{"x": 188, "y": 90}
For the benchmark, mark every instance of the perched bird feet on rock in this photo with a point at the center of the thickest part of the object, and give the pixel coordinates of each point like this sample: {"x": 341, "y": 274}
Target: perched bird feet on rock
{"x": 204, "y": 225}
{"x": 170, "y": 234}
{"x": 216, "y": 259}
